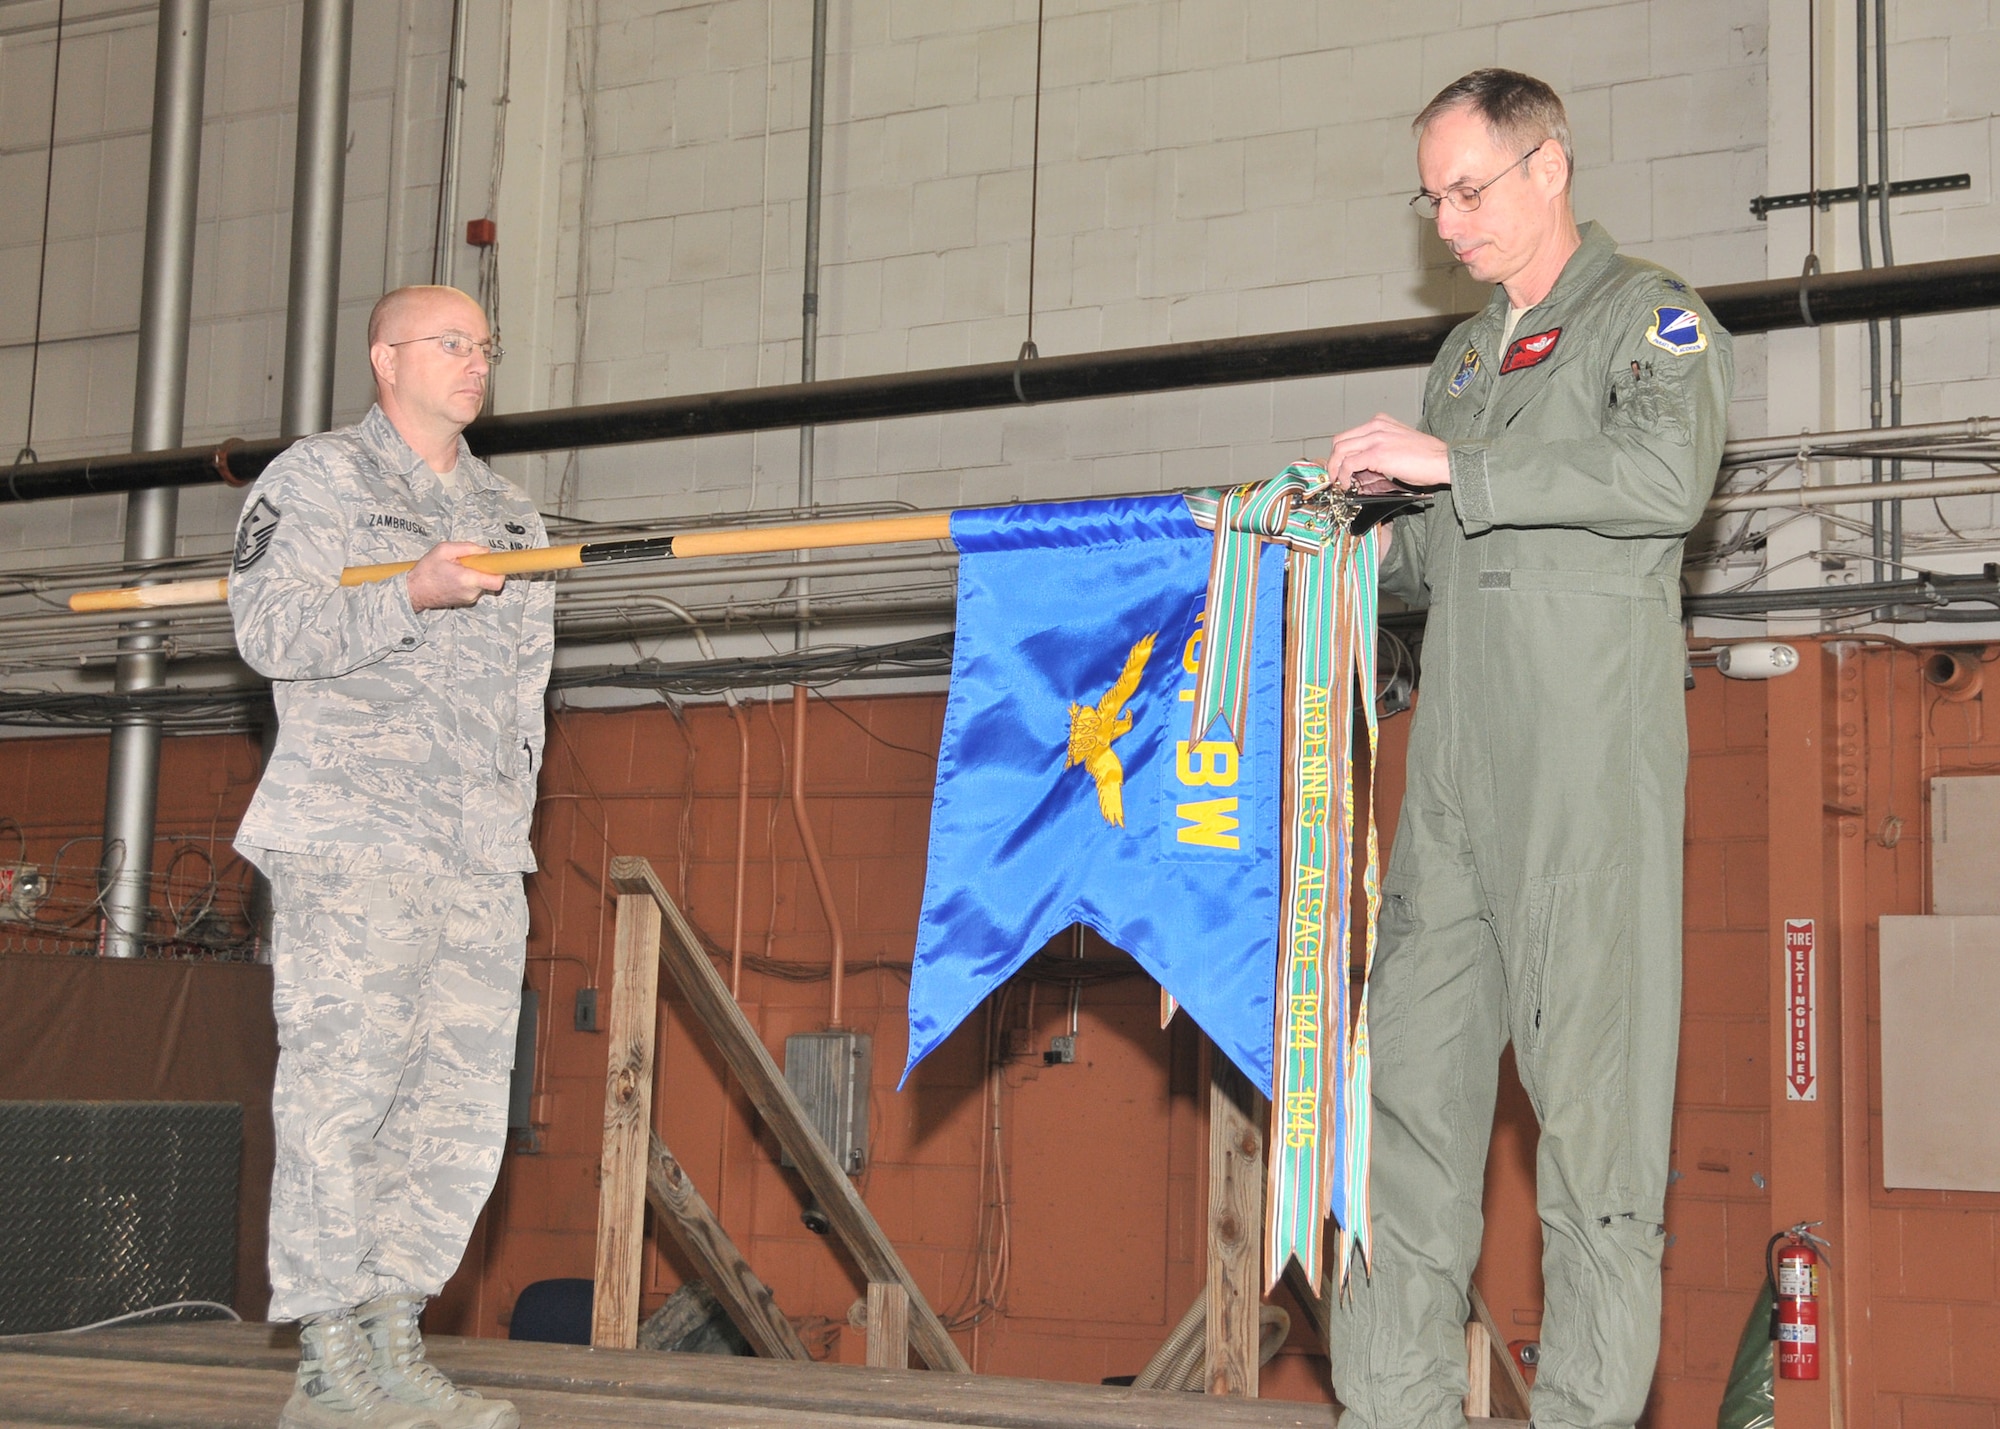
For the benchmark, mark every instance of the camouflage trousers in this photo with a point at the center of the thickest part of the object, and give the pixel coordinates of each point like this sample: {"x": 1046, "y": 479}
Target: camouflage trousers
{"x": 396, "y": 995}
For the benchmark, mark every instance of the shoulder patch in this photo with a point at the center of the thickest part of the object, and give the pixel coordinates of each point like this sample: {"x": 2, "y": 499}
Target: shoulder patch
{"x": 1677, "y": 330}
{"x": 254, "y": 533}
{"x": 1468, "y": 368}
{"x": 1529, "y": 351}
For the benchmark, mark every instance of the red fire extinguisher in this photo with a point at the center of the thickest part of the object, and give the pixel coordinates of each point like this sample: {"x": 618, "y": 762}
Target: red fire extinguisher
{"x": 1795, "y": 1272}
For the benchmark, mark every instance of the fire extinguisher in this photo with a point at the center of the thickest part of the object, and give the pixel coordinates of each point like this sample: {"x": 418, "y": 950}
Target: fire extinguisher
{"x": 1795, "y": 1271}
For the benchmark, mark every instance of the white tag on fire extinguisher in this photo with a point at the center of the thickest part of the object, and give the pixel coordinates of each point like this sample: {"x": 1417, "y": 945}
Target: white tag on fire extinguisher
{"x": 1798, "y": 1334}
{"x": 1795, "y": 1278}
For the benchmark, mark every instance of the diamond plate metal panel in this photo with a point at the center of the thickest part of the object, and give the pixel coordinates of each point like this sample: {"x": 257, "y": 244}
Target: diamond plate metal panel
{"x": 107, "y": 1207}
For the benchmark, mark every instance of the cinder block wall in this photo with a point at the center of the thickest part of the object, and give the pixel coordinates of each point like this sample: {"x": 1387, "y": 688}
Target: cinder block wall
{"x": 1206, "y": 170}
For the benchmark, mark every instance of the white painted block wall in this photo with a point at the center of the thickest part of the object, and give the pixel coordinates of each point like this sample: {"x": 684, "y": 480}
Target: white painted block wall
{"x": 97, "y": 214}
{"x": 1208, "y": 168}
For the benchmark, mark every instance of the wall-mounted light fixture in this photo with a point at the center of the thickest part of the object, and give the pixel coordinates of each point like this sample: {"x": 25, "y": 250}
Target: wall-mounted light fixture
{"x": 1756, "y": 660}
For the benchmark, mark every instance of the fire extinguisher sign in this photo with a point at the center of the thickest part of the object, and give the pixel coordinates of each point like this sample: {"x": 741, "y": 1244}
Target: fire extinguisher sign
{"x": 1801, "y": 1011}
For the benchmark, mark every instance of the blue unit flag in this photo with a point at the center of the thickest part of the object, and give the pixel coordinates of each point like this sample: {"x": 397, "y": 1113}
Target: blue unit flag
{"x": 1068, "y": 790}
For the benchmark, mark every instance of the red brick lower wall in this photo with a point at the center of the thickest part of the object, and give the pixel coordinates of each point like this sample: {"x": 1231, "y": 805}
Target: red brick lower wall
{"x": 1104, "y": 1160}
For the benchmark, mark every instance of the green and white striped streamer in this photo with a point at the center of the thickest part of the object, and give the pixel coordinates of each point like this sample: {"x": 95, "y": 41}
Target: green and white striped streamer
{"x": 1320, "y": 1104}
{"x": 1243, "y": 518}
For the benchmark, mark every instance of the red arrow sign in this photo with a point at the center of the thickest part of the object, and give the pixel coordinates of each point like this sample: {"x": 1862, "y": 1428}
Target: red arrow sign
{"x": 1801, "y": 1012}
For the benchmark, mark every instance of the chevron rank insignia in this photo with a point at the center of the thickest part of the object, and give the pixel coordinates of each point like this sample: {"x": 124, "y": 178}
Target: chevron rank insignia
{"x": 1468, "y": 368}
{"x": 1529, "y": 351}
{"x": 1677, "y": 330}
{"x": 253, "y": 535}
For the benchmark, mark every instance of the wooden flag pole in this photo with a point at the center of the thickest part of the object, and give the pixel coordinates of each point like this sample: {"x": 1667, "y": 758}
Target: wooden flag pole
{"x": 739, "y": 541}
{"x": 736, "y": 541}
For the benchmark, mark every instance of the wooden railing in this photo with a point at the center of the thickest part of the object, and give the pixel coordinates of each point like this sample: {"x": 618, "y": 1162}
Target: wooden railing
{"x": 1215, "y": 1347}
{"x": 631, "y": 1147}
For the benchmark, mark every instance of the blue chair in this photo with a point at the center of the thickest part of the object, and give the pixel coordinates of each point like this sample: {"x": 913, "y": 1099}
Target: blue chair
{"x": 554, "y": 1312}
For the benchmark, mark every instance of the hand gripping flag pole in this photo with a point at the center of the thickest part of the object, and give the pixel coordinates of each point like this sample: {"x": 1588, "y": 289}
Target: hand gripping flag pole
{"x": 1320, "y": 1100}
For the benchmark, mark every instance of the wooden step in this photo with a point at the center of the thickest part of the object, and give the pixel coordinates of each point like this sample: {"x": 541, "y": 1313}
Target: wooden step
{"x": 228, "y": 1374}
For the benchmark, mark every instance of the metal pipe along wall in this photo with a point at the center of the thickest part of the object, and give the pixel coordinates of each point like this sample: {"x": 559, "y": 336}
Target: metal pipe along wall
{"x": 1768, "y": 305}
{"x": 131, "y": 792}
{"x": 809, "y": 301}
{"x": 318, "y": 189}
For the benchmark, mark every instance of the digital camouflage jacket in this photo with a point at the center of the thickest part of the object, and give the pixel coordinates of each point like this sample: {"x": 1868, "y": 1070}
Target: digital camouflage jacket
{"x": 405, "y": 738}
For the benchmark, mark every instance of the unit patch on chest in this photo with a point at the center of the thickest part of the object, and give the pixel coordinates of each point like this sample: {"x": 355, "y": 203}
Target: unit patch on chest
{"x": 1677, "y": 330}
{"x": 1468, "y": 368}
{"x": 1528, "y": 351}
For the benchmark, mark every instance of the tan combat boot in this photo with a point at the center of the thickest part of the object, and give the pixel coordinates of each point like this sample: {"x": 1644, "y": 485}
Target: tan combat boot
{"x": 396, "y": 1356}
{"x": 335, "y": 1389}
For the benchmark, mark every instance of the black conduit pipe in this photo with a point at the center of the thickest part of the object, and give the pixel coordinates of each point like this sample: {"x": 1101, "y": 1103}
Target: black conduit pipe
{"x": 1908, "y": 290}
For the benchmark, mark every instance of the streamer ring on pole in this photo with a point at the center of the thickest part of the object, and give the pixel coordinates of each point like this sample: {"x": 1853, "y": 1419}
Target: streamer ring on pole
{"x": 1337, "y": 505}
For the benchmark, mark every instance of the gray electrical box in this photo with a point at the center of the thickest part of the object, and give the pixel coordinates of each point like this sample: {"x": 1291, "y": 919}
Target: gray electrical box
{"x": 828, "y": 1073}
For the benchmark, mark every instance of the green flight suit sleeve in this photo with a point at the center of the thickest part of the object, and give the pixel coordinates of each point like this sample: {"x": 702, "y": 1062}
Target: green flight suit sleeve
{"x": 1648, "y": 469}
{"x": 1402, "y": 573}
{"x": 294, "y": 619}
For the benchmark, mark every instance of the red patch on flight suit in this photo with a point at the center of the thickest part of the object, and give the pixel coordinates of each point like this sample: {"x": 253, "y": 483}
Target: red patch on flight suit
{"x": 1527, "y": 351}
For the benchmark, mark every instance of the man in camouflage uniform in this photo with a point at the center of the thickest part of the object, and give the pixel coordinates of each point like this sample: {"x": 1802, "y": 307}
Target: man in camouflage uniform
{"x": 1572, "y": 430}
{"x": 392, "y": 822}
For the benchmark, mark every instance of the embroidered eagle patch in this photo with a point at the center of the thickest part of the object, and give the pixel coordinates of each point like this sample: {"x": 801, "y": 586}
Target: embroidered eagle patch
{"x": 254, "y": 533}
{"x": 1678, "y": 330}
{"x": 1528, "y": 351}
{"x": 1093, "y": 728}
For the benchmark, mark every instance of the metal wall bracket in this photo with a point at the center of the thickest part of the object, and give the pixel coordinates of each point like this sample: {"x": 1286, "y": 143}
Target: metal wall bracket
{"x": 1764, "y": 204}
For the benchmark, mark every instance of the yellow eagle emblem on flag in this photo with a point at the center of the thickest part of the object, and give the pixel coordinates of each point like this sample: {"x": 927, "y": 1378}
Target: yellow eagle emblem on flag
{"x": 1093, "y": 728}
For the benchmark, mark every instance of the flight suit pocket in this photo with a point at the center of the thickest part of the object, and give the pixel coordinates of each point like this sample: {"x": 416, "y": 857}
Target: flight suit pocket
{"x": 1647, "y": 402}
{"x": 1571, "y": 1009}
{"x": 1396, "y": 931}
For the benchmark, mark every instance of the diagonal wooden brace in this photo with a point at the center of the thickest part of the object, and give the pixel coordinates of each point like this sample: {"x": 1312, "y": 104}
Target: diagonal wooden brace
{"x": 746, "y": 1299}
{"x": 682, "y": 954}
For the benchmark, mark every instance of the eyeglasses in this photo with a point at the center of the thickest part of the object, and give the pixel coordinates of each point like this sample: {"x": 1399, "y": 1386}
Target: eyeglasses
{"x": 1464, "y": 197}
{"x": 460, "y": 345}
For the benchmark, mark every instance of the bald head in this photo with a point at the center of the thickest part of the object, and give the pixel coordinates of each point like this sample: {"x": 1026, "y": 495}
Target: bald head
{"x": 422, "y": 309}
{"x": 430, "y": 390}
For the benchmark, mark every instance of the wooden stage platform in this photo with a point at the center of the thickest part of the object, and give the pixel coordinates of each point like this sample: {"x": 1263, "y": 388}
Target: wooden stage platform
{"x": 232, "y": 1376}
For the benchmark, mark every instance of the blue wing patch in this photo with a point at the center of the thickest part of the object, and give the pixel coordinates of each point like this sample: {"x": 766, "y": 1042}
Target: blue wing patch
{"x": 1468, "y": 368}
{"x": 1678, "y": 330}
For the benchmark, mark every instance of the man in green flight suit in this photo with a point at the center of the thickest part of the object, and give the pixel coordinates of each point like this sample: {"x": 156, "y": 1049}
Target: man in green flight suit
{"x": 1572, "y": 430}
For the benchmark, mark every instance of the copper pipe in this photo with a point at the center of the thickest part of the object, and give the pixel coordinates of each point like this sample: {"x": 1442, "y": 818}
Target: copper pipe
{"x": 812, "y": 849}
{"x": 742, "y": 844}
